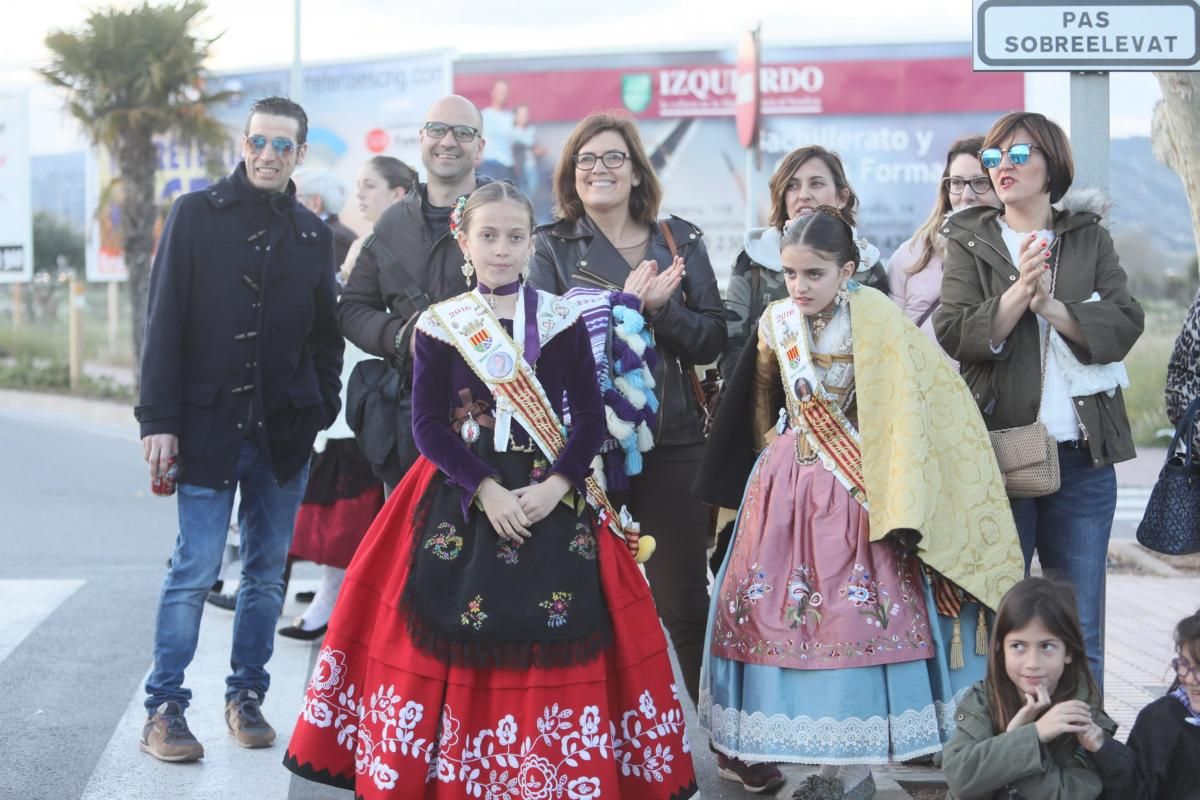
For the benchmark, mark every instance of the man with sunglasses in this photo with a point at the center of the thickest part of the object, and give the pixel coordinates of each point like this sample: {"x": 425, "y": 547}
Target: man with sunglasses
{"x": 241, "y": 369}
{"x": 410, "y": 260}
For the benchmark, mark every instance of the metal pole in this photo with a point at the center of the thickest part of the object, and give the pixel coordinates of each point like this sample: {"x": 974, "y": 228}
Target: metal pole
{"x": 18, "y": 305}
{"x": 751, "y": 216}
{"x": 114, "y": 310}
{"x": 1089, "y": 129}
{"x": 75, "y": 331}
{"x": 296, "y": 79}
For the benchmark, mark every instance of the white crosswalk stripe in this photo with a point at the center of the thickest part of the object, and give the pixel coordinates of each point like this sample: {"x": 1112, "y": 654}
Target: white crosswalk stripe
{"x": 1131, "y": 503}
{"x": 227, "y": 770}
{"x": 25, "y": 604}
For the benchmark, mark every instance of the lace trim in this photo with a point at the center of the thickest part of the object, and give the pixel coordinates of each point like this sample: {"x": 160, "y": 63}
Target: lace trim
{"x": 804, "y": 740}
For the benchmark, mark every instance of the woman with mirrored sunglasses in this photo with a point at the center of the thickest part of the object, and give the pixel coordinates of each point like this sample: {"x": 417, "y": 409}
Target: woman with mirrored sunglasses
{"x": 608, "y": 235}
{"x": 1036, "y": 289}
{"x": 915, "y": 269}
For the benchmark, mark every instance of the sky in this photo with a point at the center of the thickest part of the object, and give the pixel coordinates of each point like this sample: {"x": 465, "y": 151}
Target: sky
{"x": 259, "y": 33}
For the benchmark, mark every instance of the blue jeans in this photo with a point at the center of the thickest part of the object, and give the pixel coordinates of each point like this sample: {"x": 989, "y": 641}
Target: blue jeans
{"x": 1070, "y": 530}
{"x": 266, "y": 516}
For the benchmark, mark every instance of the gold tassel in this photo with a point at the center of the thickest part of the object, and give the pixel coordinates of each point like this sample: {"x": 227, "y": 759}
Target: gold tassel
{"x": 981, "y": 633}
{"x": 956, "y": 646}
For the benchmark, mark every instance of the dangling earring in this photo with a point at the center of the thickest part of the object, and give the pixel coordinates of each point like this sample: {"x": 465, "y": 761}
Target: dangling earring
{"x": 525, "y": 269}
{"x": 468, "y": 269}
{"x": 843, "y": 294}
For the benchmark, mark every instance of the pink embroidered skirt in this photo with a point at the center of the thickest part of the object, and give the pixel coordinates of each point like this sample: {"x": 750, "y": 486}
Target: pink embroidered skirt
{"x": 804, "y": 588}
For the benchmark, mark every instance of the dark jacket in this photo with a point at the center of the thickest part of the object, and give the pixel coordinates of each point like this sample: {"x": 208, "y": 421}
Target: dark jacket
{"x": 400, "y": 257}
{"x": 1183, "y": 370}
{"x": 1161, "y": 761}
{"x": 688, "y": 330}
{"x": 343, "y": 237}
{"x": 241, "y": 334}
{"x": 1006, "y": 384}
{"x": 980, "y": 764}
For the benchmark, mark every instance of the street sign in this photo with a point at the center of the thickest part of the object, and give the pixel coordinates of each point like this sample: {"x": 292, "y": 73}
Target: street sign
{"x": 16, "y": 226}
{"x": 1077, "y": 35}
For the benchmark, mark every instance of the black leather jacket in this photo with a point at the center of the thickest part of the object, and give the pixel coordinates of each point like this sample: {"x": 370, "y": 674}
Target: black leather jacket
{"x": 688, "y": 330}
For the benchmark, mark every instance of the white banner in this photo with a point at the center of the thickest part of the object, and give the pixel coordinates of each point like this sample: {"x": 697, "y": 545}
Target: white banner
{"x": 355, "y": 110}
{"x": 16, "y": 218}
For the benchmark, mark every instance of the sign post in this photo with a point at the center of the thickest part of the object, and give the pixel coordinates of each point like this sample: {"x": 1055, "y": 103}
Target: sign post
{"x": 748, "y": 111}
{"x": 1089, "y": 39}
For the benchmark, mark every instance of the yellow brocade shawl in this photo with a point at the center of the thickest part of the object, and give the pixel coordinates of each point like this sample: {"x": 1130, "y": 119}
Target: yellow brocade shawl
{"x": 928, "y": 463}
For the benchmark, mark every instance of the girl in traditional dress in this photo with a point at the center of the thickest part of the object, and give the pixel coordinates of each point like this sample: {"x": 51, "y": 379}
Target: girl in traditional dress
{"x": 876, "y": 503}
{"x": 493, "y": 638}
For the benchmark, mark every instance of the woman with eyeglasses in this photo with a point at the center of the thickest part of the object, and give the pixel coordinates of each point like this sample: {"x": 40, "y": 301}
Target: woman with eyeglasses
{"x": 608, "y": 235}
{"x": 805, "y": 178}
{"x": 915, "y": 269}
{"x": 1160, "y": 760}
{"x": 1037, "y": 311}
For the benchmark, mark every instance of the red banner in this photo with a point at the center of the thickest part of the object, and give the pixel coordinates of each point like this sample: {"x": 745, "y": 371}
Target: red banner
{"x": 894, "y": 86}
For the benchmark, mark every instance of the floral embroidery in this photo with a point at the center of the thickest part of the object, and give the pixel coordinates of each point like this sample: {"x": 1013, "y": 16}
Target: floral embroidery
{"x": 871, "y": 598}
{"x": 747, "y": 593}
{"x": 557, "y": 606}
{"x": 497, "y": 763}
{"x": 802, "y": 609}
{"x": 446, "y": 544}
{"x": 541, "y": 468}
{"x": 474, "y": 615}
{"x": 506, "y": 551}
{"x": 584, "y": 544}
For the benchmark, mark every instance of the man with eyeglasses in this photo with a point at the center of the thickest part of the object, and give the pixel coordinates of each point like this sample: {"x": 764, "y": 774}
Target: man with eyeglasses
{"x": 241, "y": 369}
{"x": 411, "y": 261}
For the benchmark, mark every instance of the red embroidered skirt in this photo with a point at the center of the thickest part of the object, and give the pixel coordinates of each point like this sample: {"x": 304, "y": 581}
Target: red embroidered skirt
{"x": 387, "y": 720}
{"x": 340, "y": 502}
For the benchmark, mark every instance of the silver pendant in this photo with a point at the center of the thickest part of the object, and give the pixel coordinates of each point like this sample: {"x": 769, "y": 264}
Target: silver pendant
{"x": 469, "y": 430}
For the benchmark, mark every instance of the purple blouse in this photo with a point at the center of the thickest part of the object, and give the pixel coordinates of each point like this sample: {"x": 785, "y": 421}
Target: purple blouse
{"x": 565, "y": 364}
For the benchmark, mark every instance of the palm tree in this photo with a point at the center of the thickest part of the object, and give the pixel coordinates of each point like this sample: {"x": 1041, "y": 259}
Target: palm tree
{"x": 130, "y": 75}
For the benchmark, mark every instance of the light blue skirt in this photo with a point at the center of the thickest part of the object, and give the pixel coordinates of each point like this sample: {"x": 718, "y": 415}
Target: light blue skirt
{"x": 858, "y": 715}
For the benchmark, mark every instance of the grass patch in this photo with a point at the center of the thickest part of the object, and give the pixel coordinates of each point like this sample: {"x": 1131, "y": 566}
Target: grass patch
{"x": 41, "y": 375}
{"x": 1147, "y": 367}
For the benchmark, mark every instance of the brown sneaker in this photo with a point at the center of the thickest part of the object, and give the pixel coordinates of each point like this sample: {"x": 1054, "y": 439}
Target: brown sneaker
{"x": 245, "y": 720}
{"x": 758, "y": 778}
{"x": 166, "y": 736}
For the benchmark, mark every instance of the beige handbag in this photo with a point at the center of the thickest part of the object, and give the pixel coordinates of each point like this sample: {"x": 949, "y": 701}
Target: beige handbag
{"x": 1028, "y": 455}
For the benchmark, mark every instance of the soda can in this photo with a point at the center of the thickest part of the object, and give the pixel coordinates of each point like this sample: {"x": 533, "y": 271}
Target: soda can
{"x": 164, "y": 482}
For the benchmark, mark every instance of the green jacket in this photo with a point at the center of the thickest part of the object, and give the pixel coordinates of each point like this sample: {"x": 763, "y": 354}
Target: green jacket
{"x": 1006, "y": 384}
{"x": 980, "y": 764}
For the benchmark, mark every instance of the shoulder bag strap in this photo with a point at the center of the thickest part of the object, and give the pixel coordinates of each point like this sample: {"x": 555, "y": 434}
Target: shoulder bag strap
{"x": 666, "y": 229}
{"x": 929, "y": 312}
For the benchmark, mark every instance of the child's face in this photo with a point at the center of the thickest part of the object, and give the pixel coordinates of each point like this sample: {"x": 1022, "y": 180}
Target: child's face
{"x": 498, "y": 242}
{"x": 1033, "y": 657}
{"x": 1187, "y": 667}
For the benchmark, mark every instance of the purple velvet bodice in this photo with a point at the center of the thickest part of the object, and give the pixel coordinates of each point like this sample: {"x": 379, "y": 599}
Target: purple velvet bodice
{"x": 565, "y": 364}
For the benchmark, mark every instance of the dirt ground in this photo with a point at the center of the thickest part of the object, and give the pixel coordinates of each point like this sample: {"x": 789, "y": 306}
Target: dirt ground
{"x": 1188, "y": 565}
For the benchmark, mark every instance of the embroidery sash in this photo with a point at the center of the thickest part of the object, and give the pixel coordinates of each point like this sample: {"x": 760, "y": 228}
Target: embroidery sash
{"x": 825, "y": 427}
{"x": 468, "y": 325}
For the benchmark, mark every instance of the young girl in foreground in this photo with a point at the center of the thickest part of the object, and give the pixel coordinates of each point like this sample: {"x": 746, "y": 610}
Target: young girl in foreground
{"x": 1162, "y": 760}
{"x": 492, "y": 638}
{"x": 1033, "y": 727}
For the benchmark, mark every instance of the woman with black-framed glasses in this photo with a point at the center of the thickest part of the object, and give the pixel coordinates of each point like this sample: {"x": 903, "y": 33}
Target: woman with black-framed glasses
{"x": 1160, "y": 760}
{"x": 915, "y": 269}
{"x": 1037, "y": 311}
{"x": 608, "y": 236}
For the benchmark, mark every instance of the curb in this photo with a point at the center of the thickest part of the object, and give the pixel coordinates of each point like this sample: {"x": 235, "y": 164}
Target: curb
{"x": 1135, "y": 554}
{"x": 69, "y": 405}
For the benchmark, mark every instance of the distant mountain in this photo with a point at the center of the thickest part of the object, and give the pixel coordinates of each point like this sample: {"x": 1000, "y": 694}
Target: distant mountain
{"x": 1148, "y": 198}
